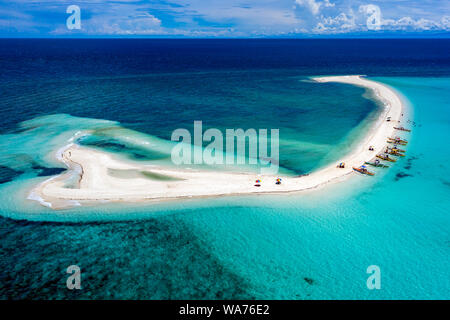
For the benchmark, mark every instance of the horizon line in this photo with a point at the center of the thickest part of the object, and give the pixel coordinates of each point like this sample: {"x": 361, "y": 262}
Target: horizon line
{"x": 442, "y": 37}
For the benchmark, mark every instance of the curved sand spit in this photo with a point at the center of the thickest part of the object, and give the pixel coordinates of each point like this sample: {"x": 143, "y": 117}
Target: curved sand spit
{"x": 98, "y": 184}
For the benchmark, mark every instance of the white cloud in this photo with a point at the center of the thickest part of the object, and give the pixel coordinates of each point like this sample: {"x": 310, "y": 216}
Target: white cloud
{"x": 313, "y": 5}
{"x": 445, "y": 22}
{"x": 340, "y": 24}
{"x": 137, "y": 24}
{"x": 408, "y": 23}
{"x": 327, "y": 3}
{"x": 370, "y": 18}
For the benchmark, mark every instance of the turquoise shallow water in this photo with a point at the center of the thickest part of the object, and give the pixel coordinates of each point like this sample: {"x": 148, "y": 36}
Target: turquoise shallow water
{"x": 398, "y": 221}
{"x": 313, "y": 245}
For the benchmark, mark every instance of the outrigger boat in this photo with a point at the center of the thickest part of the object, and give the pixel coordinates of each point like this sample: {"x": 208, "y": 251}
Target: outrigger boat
{"x": 397, "y": 141}
{"x": 378, "y": 165}
{"x": 394, "y": 153}
{"x": 363, "y": 170}
{"x": 397, "y": 149}
{"x": 398, "y": 154}
{"x": 402, "y": 129}
{"x": 386, "y": 158}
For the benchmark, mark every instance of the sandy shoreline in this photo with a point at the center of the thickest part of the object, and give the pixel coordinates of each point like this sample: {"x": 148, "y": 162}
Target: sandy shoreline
{"x": 103, "y": 178}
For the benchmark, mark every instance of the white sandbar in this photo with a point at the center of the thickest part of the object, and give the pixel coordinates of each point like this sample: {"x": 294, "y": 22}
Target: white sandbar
{"x": 97, "y": 184}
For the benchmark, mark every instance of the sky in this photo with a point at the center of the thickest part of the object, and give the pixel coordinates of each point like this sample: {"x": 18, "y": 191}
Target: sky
{"x": 224, "y": 18}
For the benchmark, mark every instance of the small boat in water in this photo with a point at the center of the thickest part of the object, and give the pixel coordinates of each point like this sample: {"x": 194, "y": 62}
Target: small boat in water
{"x": 377, "y": 164}
{"x": 397, "y": 149}
{"x": 363, "y": 170}
{"x": 397, "y": 141}
{"x": 385, "y": 157}
{"x": 394, "y": 153}
{"x": 402, "y": 129}
{"x": 398, "y": 154}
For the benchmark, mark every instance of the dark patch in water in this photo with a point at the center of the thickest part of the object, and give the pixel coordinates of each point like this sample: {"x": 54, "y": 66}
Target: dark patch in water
{"x": 309, "y": 280}
{"x": 409, "y": 162}
{"x": 110, "y": 145}
{"x": 7, "y": 174}
{"x": 138, "y": 156}
{"x": 113, "y": 145}
{"x": 44, "y": 171}
{"x": 445, "y": 182}
{"x": 401, "y": 175}
{"x": 142, "y": 259}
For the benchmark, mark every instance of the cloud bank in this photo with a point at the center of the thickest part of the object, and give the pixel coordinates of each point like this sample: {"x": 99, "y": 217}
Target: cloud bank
{"x": 220, "y": 18}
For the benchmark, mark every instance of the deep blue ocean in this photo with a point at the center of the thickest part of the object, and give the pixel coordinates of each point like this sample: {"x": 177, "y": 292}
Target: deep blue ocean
{"x": 312, "y": 245}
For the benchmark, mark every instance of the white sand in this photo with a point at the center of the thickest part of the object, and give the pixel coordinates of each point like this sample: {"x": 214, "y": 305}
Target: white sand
{"x": 96, "y": 184}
